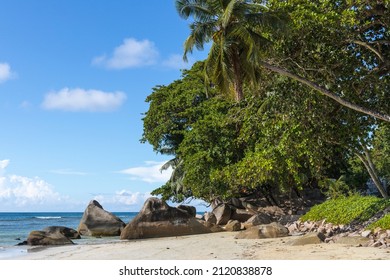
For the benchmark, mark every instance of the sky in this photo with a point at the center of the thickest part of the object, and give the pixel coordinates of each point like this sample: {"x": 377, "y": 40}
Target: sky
{"x": 74, "y": 76}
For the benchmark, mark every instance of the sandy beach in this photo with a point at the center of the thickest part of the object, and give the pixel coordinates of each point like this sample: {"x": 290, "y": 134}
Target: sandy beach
{"x": 214, "y": 246}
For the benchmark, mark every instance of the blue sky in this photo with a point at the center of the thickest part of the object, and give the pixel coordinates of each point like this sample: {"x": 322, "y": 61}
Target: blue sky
{"x": 74, "y": 76}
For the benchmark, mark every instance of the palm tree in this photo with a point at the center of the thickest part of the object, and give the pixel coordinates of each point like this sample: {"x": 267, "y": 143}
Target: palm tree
{"x": 236, "y": 29}
{"x": 176, "y": 181}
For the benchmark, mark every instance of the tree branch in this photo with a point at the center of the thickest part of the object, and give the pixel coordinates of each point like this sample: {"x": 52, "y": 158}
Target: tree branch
{"x": 326, "y": 92}
{"x": 370, "y": 48}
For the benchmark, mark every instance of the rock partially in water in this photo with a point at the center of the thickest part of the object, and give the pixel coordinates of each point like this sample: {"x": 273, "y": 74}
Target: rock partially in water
{"x": 40, "y": 237}
{"x": 98, "y": 222}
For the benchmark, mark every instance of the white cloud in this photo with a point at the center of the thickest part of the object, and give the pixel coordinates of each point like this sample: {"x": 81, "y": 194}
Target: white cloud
{"x": 150, "y": 172}
{"x": 19, "y": 191}
{"x": 5, "y": 72}
{"x": 4, "y": 163}
{"x": 132, "y": 53}
{"x": 123, "y": 197}
{"x": 176, "y": 61}
{"x": 83, "y": 100}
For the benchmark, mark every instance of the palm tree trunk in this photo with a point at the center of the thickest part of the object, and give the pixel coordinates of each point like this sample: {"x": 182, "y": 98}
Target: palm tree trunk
{"x": 326, "y": 92}
{"x": 238, "y": 89}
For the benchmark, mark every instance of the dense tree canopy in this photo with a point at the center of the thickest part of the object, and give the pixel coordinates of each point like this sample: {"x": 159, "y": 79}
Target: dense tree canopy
{"x": 280, "y": 135}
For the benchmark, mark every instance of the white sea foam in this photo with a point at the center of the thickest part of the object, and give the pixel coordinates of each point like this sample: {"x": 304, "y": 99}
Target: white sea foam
{"x": 48, "y": 217}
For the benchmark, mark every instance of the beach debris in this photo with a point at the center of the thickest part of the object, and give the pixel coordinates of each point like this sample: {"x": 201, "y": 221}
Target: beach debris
{"x": 158, "y": 219}
{"x": 98, "y": 222}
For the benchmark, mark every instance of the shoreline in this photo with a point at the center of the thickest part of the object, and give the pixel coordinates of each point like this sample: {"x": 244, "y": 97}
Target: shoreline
{"x": 211, "y": 246}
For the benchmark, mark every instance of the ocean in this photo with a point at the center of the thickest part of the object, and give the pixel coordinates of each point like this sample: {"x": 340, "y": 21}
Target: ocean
{"x": 15, "y": 228}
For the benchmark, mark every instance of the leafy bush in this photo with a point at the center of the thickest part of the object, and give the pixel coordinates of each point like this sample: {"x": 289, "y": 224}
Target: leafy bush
{"x": 335, "y": 188}
{"x": 344, "y": 210}
{"x": 383, "y": 223}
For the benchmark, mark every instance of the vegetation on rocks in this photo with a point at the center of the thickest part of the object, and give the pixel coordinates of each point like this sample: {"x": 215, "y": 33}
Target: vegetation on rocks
{"x": 383, "y": 223}
{"x": 345, "y": 210}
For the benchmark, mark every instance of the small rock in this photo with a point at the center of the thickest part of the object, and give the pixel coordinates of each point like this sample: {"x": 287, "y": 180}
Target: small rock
{"x": 309, "y": 238}
{"x": 233, "y": 225}
{"x": 366, "y": 233}
{"x": 272, "y": 230}
{"x": 353, "y": 240}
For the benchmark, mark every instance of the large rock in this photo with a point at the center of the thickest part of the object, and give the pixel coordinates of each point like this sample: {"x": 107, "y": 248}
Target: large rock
{"x": 40, "y": 237}
{"x": 241, "y": 215}
{"x": 258, "y": 219}
{"x": 222, "y": 213}
{"x": 65, "y": 231}
{"x": 158, "y": 219}
{"x": 272, "y": 230}
{"x": 98, "y": 222}
{"x": 210, "y": 217}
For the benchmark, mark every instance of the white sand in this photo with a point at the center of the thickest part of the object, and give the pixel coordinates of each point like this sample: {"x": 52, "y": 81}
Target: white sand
{"x": 215, "y": 246}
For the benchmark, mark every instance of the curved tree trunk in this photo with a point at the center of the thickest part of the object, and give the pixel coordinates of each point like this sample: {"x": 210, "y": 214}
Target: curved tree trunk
{"x": 371, "y": 170}
{"x": 326, "y": 92}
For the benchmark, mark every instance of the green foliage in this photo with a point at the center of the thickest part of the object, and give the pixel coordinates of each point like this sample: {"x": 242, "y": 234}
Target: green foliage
{"x": 239, "y": 32}
{"x": 173, "y": 108}
{"x": 335, "y": 188}
{"x": 383, "y": 223}
{"x": 282, "y": 136}
{"x": 381, "y": 151}
{"x": 344, "y": 210}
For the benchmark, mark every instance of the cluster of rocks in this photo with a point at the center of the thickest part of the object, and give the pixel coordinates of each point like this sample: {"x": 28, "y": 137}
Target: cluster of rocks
{"x": 344, "y": 234}
{"x": 95, "y": 222}
{"x": 251, "y": 221}
{"x": 156, "y": 219}
{"x": 272, "y": 221}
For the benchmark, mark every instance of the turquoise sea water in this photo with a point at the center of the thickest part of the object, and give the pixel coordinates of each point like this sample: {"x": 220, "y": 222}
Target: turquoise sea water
{"x": 15, "y": 227}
